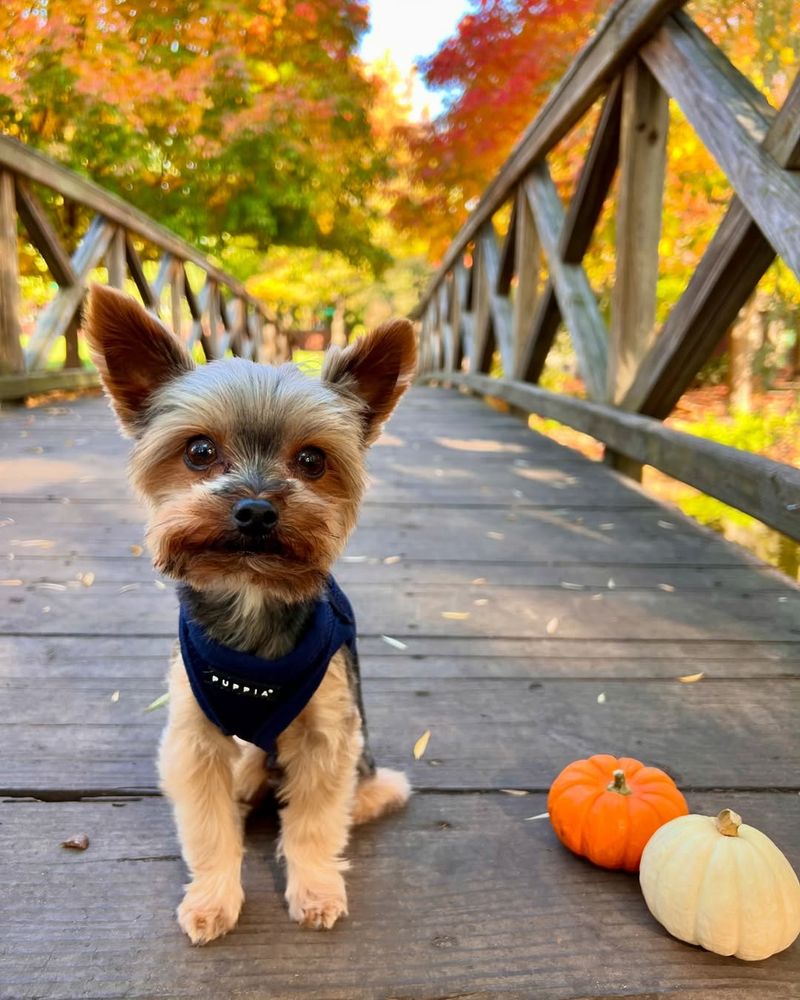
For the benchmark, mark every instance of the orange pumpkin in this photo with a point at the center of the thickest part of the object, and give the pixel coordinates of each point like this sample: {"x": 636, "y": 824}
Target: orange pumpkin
{"x": 606, "y": 809}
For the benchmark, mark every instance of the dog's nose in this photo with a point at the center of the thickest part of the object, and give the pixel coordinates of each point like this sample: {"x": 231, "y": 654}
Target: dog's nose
{"x": 254, "y": 517}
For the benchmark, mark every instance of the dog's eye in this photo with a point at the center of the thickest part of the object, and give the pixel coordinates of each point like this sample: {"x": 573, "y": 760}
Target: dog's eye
{"x": 201, "y": 452}
{"x": 311, "y": 462}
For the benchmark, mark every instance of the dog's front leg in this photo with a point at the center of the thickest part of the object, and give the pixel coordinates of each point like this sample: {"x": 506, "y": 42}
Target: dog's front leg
{"x": 196, "y": 766}
{"x": 318, "y": 754}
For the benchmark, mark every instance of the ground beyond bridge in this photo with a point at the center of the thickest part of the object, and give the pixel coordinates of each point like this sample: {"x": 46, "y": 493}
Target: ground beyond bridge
{"x": 539, "y": 608}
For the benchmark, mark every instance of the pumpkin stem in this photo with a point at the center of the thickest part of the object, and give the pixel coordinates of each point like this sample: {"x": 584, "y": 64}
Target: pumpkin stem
{"x": 619, "y": 784}
{"x": 728, "y": 823}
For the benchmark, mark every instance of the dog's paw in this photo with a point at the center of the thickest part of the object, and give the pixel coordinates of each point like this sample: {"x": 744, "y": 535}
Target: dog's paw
{"x": 317, "y": 910}
{"x": 206, "y": 914}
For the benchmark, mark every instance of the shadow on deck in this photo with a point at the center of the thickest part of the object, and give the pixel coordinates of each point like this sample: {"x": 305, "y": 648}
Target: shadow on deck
{"x": 567, "y": 583}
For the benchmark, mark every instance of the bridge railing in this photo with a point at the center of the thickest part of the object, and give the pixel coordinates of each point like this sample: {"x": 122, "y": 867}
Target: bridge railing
{"x": 218, "y": 313}
{"x": 485, "y": 296}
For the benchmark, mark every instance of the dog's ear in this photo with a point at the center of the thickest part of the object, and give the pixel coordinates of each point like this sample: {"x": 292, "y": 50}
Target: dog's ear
{"x": 377, "y": 369}
{"x": 134, "y": 353}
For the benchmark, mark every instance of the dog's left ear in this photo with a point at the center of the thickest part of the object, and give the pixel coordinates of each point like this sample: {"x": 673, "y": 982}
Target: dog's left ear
{"x": 377, "y": 369}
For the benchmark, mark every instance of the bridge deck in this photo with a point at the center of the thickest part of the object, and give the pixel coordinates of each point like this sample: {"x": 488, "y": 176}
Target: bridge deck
{"x": 524, "y": 582}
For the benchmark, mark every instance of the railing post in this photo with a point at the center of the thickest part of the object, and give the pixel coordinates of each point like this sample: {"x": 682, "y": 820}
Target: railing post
{"x": 526, "y": 255}
{"x": 11, "y": 359}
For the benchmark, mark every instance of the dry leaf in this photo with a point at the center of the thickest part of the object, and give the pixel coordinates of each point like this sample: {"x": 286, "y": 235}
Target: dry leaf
{"x": 391, "y": 560}
{"x": 608, "y": 526}
{"x": 127, "y": 587}
{"x": 538, "y": 816}
{"x": 50, "y": 586}
{"x": 611, "y": 583}
{"x": 478, "y": 581}
{"x": 596, "y": 597}
{"x": 136, "y": 550}
{"x": 115, "y": 697}
{"x": 421, "y": 745}
{"x": 354, "y": 559}
{"x": 552, "y": 626}
{"x": 666, "y": 524}
{"x": 571, "y": 586}
{"x": 394, "y": 642}
{"x": 513, "y": 791}
{"x": 10, "y": 583}
{"x": 77, "y": 843}
{"x": 33, "y": 543}
{"x": 691, "y": 678}
{"x": 455, "y": 616}
{"x": 87, "y": 579}
{"x": 160, "y": 701}
{"x": 480, "y": 602}
{"x": 159, "y": 585}
{"x": 601, "y": 698}
{"x": 667, "y": 586}
{"x": 498, "y": 536}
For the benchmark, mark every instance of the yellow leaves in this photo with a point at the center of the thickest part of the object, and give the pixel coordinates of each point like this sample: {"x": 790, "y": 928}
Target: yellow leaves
{"x": 159, "y": 702}
{"x": 786, "y": 56}
{"x": 552, "y": 626}
{"x": 691, "y": 678}
{"x": 455, "y": 616}
{"x": 421, "y": 745}
{"x": 87, "y": 579}
{"x": 136, "y": 550}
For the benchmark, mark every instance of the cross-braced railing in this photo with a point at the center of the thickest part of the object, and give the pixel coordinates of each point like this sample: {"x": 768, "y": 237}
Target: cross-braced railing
{"x": 486, "y": 297}
{"x": 219, "y": 314}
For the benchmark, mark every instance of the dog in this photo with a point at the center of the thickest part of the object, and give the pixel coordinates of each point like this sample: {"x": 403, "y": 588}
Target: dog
{"x": 253, "y": 476}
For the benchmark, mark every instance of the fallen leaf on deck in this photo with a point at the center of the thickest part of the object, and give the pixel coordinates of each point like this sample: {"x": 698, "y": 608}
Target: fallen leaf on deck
{"x": 552, "y": 626}
{"x": 33, "y": 543}
{"x": 115, "y": 697}
{"x": 421, "y": 745}
{"x": 538, "y": 816}
{"x": 159, "y": 585}
{"x": 136, "y": 550}
{"x": 87, "y": 579}
{"x": 456, "y": 616}
{"x": 10, "y": 583}
{"x": 666, "y": 524}
{"x": 127, "y": 587}
{"x": 77, "y": 843}
{"x": 667, "y": 586}
{"x": 596, "y": 597}
{"x": 479, "y": 603}
{"x": 513, "y": 791}
{"x": 391, "y": 560}
{"x": 608, "y": 526}
{"x": 571, "y": 586}
{"x": 354, "y": 559}
{"x": 691, "y": 678}
{"x": 478, "y": 581}
{"x": 50, "y": 586}
{"x": 611, "y": 583}
{"x": 394, "y": 642}
{"x": 498, "y": 536}
{"x": 601, "y": 698}
{"x": 160, "y": 701}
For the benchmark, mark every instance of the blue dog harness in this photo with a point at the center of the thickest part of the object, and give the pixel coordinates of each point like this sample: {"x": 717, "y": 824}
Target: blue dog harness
{"x": 256, "y": 699}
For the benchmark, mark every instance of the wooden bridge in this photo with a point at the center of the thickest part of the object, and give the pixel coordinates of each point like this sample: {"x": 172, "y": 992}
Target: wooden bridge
{"x": 524, "y": 604}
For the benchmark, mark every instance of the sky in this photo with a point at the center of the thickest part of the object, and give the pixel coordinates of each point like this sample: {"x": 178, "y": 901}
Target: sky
{"x": 409, "y": 29}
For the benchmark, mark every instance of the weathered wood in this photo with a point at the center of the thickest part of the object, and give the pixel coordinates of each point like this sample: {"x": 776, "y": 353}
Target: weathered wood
{"x": 115, "y": 259}
{"x": 34, "y": 383}
{"x": 176, "y": 295}
{"x": 643, "y": 146}
{"x": 625, "y": 27}
{"x": 11, "y": 358}
{"x": 56, "y": 318}
{"x": 138, "y": 276}
{"x": 768, "y": 490}
{"x": 482, "y": 345}
{"x": 732, "y": 128}
{"x": 526, "y": 253}
{"x": 576, "y": 299}
{"x": 499, "y": 305}
{"x": 43, "y": 234}
{"x": 729, "y": 270}
{"x": 458, "y": 896}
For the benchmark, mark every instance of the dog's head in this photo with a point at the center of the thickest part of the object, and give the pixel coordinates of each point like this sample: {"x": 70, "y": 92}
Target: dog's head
{"x": 253, "y": 473}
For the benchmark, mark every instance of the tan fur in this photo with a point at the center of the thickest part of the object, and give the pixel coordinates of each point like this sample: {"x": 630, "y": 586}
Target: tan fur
{"x": 259, "y": 419}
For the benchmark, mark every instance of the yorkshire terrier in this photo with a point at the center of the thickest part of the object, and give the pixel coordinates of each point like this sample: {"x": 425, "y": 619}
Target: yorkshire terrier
{"x": 253, "y": 476}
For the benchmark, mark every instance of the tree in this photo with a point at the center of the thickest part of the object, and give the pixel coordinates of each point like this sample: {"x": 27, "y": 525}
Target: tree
{"x": 245, "y": 117}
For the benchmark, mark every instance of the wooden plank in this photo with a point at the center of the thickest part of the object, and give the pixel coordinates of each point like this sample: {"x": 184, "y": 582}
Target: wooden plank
{"x": 729, "y": 270}
{"x": 460, "y": 316}
{"x": 137, "y": 274}
{"x": 482, "y": 340}
{"x": 626, "y": 25}
{"x": 576, "y": 299}
{"x": 457, "y": 896}
{"x": 527, "y": 251}
{"x": 643, "y": 147}
{"x": 732, "y": 128}
{"x": 486, "y": 733}
{"x": 177, "y": 282}
{"x": 115, "y": 259}
{"x": 768, "y": 490}
{"x": 55, "y": 319}
{"x": 33, "y": 383}
{"x": 40, "y": 169}
{"x": 43, "y": 234}
{"x": 499, "y": 305}
{"x": 11, "y": 357}
{"x": 538, "y": 342}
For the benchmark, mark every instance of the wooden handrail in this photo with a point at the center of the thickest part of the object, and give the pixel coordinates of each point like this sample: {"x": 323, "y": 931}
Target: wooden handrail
{"x": 484, "y": 302}
{"x": 242, "y": 324}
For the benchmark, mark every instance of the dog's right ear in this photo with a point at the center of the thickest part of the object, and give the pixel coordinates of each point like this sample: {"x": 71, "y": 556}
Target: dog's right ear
{"x": 134, "y": 353}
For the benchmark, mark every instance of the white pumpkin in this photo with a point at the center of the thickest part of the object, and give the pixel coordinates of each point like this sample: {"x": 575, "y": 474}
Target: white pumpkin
{"x": 716, "y": 882}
